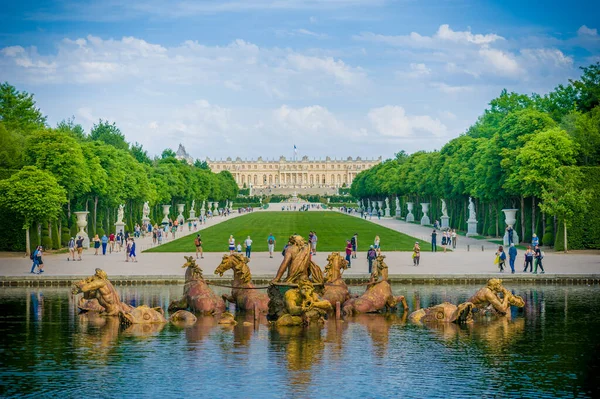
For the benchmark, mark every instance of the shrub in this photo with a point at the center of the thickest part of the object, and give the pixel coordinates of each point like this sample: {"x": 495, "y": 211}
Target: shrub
{"x": 34, "y": 237}
{"x": 55, "y": 236}
{"x": 100, "y": 231}
{"x": 548, "y": 237}
{"x": 64, "y": 239}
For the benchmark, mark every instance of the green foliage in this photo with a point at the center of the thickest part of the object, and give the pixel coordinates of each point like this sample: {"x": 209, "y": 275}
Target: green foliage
{"x": 12, "y": 235}
{"x": 65, "y": 238}
{"x": 69, "y": 127}
{"x": 18, "y": 110}
{"x": 168, "y": 153}
{"x": 588, "y": 87}
{"x": 100, "y": 231}
{"x": 548, "y": 237}
{"x": 141, "y": 155}
{"x": 110, "y": 134}
{"x": 55, "y": 236}
{"x": 46, "y": 240}
{"x": 34, "y": 238}
{"x": 11, "y": 149}
{"x": 201, "y": 165}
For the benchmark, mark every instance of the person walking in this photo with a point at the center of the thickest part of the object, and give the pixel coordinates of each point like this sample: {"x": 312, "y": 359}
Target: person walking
{"x": 111, "y": 243}
{"x": 528, "y": 263}
{"x": 132, "y": 250}
{"x": 509, "y": 231}
{"x": 127, "y": 248}
{"x": 271, "y": 244}
{"x": 79, "y": 245}
{"x": 348, "y": 253}
{"x": 36, "y": 260}
{"x": 539, "y": 255}
{"x": 119, "y": 241}
{"x": 198, "y": 244}
{"x": 232, "y": 245}
{"x": 159, "y": 236}
{"x": 314, "y": 243}
{"x": 248, "y": 244}
{"x": 444, "y": 240}
{"x": 434, "y": 241}
{"x": 501, "y": 258}
{"x": 71, "y": 246}
{"x": 354, "y": 242}
{"x": 535, "y": 240}
{"x": 454, "y": 239}
{"x": 512, "y": 256}
{"x": 371, "y": 256}
{"x": 416, "y": 254}
{"x": 104, "y": 241}
{"x": 376, "y": 243}
{"x": 96, "y": 244}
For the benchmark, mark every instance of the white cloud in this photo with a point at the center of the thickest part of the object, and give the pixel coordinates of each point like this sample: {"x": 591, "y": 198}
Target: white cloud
{"x": 415, "y": 71}
{"x": 585, "y": 31}
{"x": 445, "y": 33}
{"x": 547, "y": 56}
{"x": 307, "y": 119}
{"x": 502, "y": 62}
{"x": 448, "y": 89}
{"x": 343, "y": 73}
{"x": 392, "y": 121}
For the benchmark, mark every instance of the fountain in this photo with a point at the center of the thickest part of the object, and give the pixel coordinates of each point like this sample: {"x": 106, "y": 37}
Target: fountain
{"x": 82, "y": 223}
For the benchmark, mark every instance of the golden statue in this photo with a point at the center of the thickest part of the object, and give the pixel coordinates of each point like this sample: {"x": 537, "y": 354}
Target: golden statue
{"x": 303, "y": 306}
{"x": 298, "y": 264}
{"x": 99, "y": 288}
{"x": 244, "y": 297}
{"x": 336, "y": 289}
{"x": 378, "y": 295}
{"x": 492, "y": 299}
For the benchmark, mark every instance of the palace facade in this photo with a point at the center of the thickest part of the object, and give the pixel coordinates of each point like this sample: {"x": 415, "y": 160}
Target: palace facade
{"x": 286, "y": 173}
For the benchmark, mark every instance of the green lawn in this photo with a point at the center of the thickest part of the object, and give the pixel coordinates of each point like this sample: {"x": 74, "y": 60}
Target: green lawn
{"x": 332, "y": 228}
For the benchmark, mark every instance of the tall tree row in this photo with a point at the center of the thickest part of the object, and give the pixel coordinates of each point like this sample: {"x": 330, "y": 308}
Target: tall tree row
{"x": 525, "y": 152}
{"x": 47, "y": 173}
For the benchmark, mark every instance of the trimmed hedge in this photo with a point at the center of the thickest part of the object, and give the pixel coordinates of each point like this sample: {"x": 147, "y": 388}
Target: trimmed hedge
{"x": 55, "y": 237}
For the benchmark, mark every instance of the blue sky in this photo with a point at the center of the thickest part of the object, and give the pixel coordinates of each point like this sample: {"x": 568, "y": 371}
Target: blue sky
{"x": 253, "y": 78}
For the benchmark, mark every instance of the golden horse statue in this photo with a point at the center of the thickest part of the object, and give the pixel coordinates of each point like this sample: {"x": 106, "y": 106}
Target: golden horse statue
{"x": 244, "y": 296}
{"x": 336, "y": 289}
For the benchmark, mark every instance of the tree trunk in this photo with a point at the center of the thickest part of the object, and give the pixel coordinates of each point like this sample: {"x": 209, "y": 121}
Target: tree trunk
{"x": 565, "y": 226}
{"x": 69, "y": 209}
{"x": 496, "y": 217}
{"x": 95, "y": 214}
{"x": 543, "y": 224}
{"x": 522, "y": 218}
{"x": 87, "y": 210}
{"x": 27, "y": 242}
{"x": 532, "y": 216}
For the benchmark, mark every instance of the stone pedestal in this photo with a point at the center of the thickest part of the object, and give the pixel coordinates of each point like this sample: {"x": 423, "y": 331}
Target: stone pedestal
{"x": 425, "y": 219}
{"x": 387, "y": 213}
{"x": 82, "y": 223}
{"x": 472, "y": 228}
{"x": 410, "y": 217}
{"x": 398, "y": 213}
{"x": 445, "y": 222}
{"x": 510, "y": 217}
{"x": 119, "y": 227}
{"x": 193, "y": 215}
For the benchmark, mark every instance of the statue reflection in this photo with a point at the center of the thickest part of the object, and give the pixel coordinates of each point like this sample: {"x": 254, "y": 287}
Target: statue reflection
{"x": 378, "y": 327}
{"x": 96, "y": 337}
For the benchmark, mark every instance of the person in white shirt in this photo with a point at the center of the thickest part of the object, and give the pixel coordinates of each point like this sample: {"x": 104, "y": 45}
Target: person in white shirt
{"x": 248, "y": 244}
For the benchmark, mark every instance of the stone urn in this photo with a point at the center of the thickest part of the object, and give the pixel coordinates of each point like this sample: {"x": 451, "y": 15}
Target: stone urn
{"x": 180, "y": 217}
{"x": 425, "y": 219}
{"x": 166, "y": 209}
{"x": 510, "y": 217}
{"x": 82, "y": 223}
{"x": 410, "y": 217}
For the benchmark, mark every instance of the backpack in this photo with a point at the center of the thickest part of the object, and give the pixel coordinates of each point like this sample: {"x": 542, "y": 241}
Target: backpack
{"x": 271, "y": 241}
{"x": 196, "y": 241}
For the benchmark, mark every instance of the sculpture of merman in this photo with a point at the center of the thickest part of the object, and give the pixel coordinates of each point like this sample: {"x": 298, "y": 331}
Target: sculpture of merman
{"x": 197, "y": 295}
{"x": 336, "y": 289}
{"x": 492, "y": 299}
{"x": 303, "y": 306}
{"x": 378, "y": 295}
{"x": 297, "y": 263}
{"x": 244, "y": 297}
{"x": 99, "y": 295}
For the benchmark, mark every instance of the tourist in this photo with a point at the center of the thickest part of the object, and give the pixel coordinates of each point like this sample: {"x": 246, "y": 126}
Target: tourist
{"x": 416, "y": 254}
{"x": 528, "y": 263}
{"x": 96, "y": 244}
{"x": 434, "y": 241}
{"x": 379, "y": 214}
{"x": 444, "y": 240}
{"x": 104, "y": 243}
{"x": 354, "y": 242}
{"x": 314, "y": 243}
{"x": 453, "y": 239}
{"x": 71, "y": 246}
{"x": 127, "y": 248}
{"x": 132, "y": 250}
{"x": 376, "y": 243}
{"x": 111, "y": 242}
{"x": 154, "y": 236}
{"x": 198, "y": 244}
{"x": 371, "y": 256}
{"x": 79, "y": 245}
{"x": 36, "y": 257}
{"x": 535, "y": 241}
{"x": 248, "y": 245}
{"x": 501, "y": 258}
{"x": 195, "y": 225}
{"x": 539, "y": 255}
{"x": 271, "y": 244}
{"x": 232, "y": 245}
{"x": 120, "y": 240}
{"x": 174, "y": 229}
{"x": 239, "y": 248}
{"x": 189, "y": 225}
{"x": 509, "y": 231}
{"x": 159, "y": 236}
{"x": 512, "y": 256}
{"x": 348, "y": 253}
{"x": 436, "y": 224}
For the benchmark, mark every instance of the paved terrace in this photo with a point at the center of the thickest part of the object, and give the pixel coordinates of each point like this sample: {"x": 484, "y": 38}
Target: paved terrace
{"x": 472, "y": 261}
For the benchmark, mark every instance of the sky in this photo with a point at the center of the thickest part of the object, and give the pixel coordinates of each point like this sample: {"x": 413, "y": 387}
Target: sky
{"x": 338, "y": 78}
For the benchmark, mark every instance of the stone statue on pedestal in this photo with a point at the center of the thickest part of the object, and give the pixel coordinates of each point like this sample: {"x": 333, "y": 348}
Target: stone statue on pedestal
{"x": 121, "y": 213}
{"x": 445, "y": 218}
{"x": 444, "y": 208}
{"x": 472, "y": 222}
{"x": 472, "y": 209}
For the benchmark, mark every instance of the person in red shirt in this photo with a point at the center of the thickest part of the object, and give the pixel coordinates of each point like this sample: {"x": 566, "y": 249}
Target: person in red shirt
{"x": 348, "y": 252}
{"x": 111, "y": 242}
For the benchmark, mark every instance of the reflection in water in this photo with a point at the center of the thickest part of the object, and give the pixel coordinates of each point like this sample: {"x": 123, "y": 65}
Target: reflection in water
{"x": 549, "y": 348}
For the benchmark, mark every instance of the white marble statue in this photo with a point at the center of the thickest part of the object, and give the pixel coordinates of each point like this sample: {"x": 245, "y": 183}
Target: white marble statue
{"x": 121, "y": 213}
{"x": 387, "y": 203}
{"x": 444, "y": 208}
{"x": 471, "y": 209}
{"x": 193, "y": 204}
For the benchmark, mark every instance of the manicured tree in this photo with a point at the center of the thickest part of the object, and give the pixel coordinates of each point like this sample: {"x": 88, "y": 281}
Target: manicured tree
{"x": 18, "y": 110}
{"x": 564, "y": 197}
{"x": 33, "y": 195}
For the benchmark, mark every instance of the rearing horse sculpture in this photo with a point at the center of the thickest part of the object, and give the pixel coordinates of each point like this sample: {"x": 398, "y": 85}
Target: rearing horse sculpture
{"x": 244, "y": 297}
{"x": 336, "y": 289}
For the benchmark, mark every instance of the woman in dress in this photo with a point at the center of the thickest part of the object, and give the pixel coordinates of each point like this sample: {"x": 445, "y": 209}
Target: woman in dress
{"x": 376, "y": 243}
{"x": 231, "y": 245}
{"x": 132, "y": 251}
{"x": 96, "y": 244}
